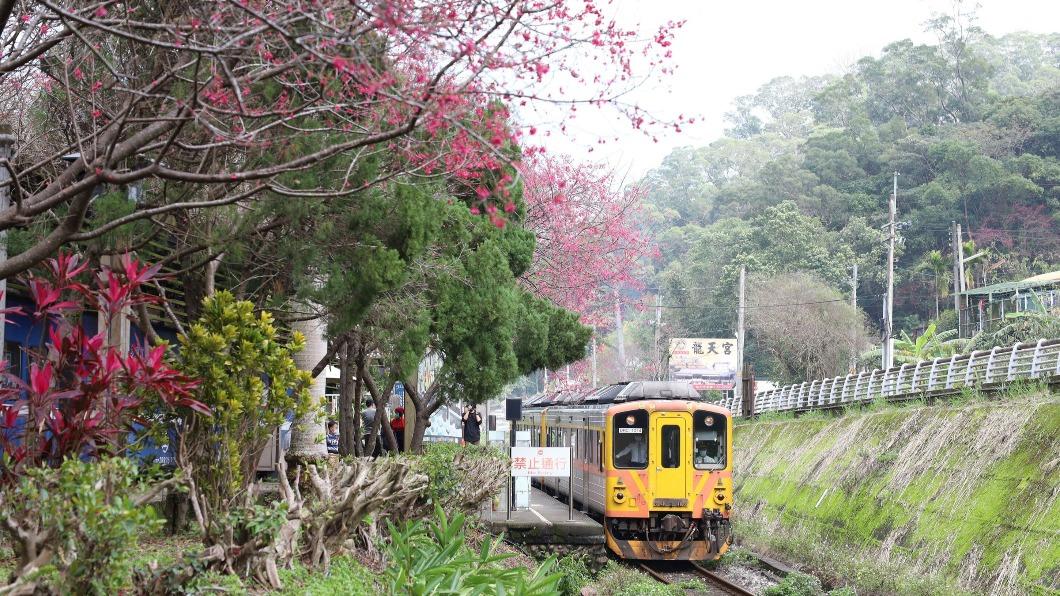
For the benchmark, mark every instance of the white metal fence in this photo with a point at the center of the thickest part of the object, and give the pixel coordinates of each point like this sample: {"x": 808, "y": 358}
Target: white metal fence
{"x": 1023, "y": 361}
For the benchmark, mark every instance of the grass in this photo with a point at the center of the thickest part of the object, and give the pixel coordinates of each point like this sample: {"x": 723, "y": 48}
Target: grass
{"x": 907, "y": 498}
{"x": 619, "y": 580}
{"x": 346, "y": 576}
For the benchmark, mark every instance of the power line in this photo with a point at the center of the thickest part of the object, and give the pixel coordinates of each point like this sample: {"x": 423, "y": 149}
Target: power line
{"x": 733, "y": 308}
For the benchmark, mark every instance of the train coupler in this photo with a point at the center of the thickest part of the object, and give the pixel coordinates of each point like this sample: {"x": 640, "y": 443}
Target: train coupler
{"x": 717, "y": 530}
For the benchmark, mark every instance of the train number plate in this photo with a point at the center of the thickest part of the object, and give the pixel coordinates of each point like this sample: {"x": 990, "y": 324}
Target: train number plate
{"x": 630, "y": 431}
{"x": 671, "y": 502}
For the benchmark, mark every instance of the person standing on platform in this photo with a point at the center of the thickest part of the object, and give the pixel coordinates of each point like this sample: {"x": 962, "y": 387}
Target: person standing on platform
{"x": 333, "y": 437}
{"x": 472, "y": 423}
{"x": 398, "y": 426}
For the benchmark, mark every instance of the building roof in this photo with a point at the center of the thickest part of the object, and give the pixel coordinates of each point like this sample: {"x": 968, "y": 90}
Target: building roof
{"x": 1011, "y": 287}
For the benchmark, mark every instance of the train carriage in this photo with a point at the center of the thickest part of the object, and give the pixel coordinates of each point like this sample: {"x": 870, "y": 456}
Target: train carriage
{"x": 653, "y": 460}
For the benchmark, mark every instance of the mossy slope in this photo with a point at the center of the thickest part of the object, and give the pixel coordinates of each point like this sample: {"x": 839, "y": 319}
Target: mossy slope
{"x": 961, "y": 497}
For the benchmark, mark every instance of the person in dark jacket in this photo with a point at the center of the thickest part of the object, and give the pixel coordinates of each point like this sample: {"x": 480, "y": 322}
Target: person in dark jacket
{"x": 472, "y": 425}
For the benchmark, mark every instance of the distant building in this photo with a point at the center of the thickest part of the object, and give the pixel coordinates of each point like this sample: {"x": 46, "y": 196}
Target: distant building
{"x": 983, "y": 309}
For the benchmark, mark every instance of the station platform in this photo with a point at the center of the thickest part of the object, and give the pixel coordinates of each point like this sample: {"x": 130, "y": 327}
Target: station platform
{"x": 546, "y": 523}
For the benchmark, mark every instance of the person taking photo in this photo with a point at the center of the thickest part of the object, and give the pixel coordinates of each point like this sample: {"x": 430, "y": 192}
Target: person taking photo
{"x": 472, "y": 422}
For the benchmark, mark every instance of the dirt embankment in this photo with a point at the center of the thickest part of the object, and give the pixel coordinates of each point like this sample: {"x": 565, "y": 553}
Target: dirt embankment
{"x": 929, "y": 499}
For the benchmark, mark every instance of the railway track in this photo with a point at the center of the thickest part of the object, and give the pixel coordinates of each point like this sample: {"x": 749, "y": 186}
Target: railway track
{"x": 717, "y": 584}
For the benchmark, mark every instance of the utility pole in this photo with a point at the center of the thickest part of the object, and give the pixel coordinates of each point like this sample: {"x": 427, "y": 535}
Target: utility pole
{"x": 888, "y": 322}
{"x": 956, "y": 242}
{"x": 658, "y": 337}
{"x": 960, "y": 259}
{"x": 7, "y": 144}
{"x": 853, "y": 329}
{"x": 621, "y": 340}
{"x": 740, "y": 336}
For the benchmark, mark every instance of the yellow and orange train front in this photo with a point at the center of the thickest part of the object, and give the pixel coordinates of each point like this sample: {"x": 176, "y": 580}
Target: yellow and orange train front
{"x": 668, "y": 480}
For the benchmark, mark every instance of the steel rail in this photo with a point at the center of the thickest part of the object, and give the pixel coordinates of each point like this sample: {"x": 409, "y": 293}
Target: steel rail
{"x": 714, "y": 580}
{"x": 720, "y": 582}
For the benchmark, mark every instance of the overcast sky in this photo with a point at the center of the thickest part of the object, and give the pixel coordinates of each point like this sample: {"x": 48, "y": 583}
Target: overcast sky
{"x": 730, "y": 48}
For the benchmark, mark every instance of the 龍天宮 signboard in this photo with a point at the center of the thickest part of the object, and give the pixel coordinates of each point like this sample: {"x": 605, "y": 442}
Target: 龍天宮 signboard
{"x": 708, "y": 363}
{"x": 541, "y": 461}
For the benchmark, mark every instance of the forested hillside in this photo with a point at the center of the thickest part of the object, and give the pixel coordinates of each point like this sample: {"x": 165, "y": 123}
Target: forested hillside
{"x": 800, "y": 182}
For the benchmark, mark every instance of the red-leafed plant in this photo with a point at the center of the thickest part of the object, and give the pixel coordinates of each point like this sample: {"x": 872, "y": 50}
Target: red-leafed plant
{"x": 83, "y": 394}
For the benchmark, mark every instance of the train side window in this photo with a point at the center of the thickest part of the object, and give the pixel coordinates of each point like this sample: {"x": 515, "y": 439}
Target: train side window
{"x": 671, "y": 446}
{"x": 709, "y": 435}
{"x": 631, "y": 440}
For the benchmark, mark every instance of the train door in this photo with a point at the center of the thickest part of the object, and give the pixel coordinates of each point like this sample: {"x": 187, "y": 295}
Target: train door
{"x": 670, "y": 432}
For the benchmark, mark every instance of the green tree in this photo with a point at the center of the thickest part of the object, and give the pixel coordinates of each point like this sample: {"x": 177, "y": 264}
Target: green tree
{"x": 939, "y": 268}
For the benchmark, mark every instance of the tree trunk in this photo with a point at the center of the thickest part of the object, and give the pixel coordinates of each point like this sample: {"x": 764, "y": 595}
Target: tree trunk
{"x": 354, "y": 358}
{"x": 308, "y": 441}
{"x": 346, "y": 416}
{"x": 426, "y": 405}
{"x": 422, "y": 420}
{"x": 936, "y": 297}
{"x": 381, "y": 423}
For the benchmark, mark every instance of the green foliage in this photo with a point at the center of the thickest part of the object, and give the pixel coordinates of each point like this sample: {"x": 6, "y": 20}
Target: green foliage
{"x": 249, "y": 380}
{"x": 574, "y": 573}
{"x": 929, "y": 345}
{"x": 796, "y": 584}
{"x": 449, "y": 468}
{"x": 472, "y": 310}
{"x": 616, "y": 579}
{"x": 94, "y": 523}
{"x": 434, "y": 558}
{"x": 1025, "y": 326}
{"x": 802, "y": 182}
{"x": 345, "y": 575}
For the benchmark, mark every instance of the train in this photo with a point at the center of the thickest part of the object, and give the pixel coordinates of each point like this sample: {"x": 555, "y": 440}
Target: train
{"x": 651, "y": 459}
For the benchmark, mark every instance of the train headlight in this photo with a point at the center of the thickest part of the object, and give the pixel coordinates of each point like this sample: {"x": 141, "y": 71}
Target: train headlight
{"x": 719, "y": 497}
{"x": 620, "y": 497}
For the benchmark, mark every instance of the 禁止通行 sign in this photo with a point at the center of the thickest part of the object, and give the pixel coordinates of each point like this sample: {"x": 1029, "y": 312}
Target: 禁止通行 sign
{"x": 541, "y": 461}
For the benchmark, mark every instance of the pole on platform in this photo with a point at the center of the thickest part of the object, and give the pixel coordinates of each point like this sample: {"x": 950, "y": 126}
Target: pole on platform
{"x": 585, "y": 473}
{"x": 511, "y": 485}
{"x": 508, "y": 497}
{"x": 570, "y": 491}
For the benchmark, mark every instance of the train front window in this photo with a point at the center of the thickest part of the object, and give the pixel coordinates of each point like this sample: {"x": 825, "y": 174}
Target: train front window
{"x": 631, "y": 440}
{"x": 671, "y": 446}
{"x": 709, "y": 448}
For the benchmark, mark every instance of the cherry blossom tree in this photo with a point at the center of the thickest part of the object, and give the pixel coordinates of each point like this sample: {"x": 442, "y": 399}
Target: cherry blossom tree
{"x": 590, "y": 243}
{"x": 214, "y": 103}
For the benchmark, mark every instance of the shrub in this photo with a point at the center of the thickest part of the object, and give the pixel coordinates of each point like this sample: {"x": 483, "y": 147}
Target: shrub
{"x": 82, "y": 395}
{"x": 75, "y": 529}
{"x": 430, "y": 558}
{"x": 796, "y": 584}
{"x": 462, "y": 477}
{"x": 248, "y": 378}
{"x": 574, "y": 573}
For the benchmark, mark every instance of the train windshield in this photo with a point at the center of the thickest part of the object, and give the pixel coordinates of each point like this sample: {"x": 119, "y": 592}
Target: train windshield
{"x": 631, "y": 439}
{"x": 709, "y": 430}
